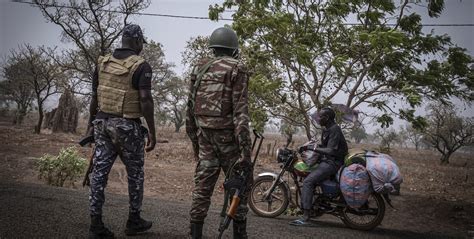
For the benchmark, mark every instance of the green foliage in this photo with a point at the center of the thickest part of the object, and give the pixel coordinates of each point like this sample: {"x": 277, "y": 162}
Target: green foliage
{"x": 260, "y": 97}
{"x": 358, "y": 134}
{"x": 447, "y": 131}
{"x": 314, "y": 56}
{"x": 388, "y": 137}
{"x": 66, "y": 166}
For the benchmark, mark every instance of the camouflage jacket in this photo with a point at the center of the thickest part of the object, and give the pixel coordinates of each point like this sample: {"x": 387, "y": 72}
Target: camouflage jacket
{"x": 220, "y": 102}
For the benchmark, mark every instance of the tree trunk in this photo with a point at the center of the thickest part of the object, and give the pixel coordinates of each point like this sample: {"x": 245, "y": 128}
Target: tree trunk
{"x": 273, "y": 149}
{"x": 48, "y": 119}
{"x": 40, "y": 119}
{"x": 177, "y": 126}
{"x": 178, "y": 119}
{"x": 445, "y": 158}
{"x": 269, "y": 147}
{"x": 307, "y": 128}
{"x": 19, "y": 117}
{"x": 289, "y": 139}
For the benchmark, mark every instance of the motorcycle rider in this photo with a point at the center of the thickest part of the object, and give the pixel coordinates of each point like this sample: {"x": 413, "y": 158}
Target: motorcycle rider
{"x": 332, "y": 150}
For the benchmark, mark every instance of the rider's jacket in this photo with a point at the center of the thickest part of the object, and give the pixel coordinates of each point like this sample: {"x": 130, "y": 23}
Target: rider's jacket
{"x": 334, "y": 141}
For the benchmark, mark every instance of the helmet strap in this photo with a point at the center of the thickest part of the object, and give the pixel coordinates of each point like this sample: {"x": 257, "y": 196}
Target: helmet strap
{"x": 236, "y": 53}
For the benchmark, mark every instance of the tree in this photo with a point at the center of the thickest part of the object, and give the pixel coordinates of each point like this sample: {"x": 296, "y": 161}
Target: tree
{"x": 402, "y": 138}
{"x": 388, "y": 137}
{"x": 288, "y": 131}
{"x": 41, "y": 74}
{"x": 16, "y": 88}
{"x": 414, "y": 135}
{"x": 196, "y": 48}
{"x": 315, "y": 58}
{"x": 169, "y": 91}
{"x": 176, "y": 101}
{"x": 358, "y": 134}
{"x": 447, "y": 132}
{"x": 92, "y": 26}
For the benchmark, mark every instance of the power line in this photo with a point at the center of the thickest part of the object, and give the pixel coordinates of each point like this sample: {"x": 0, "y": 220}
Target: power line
{"x": 223, "y": 19}
{"x": 122, "y": 12}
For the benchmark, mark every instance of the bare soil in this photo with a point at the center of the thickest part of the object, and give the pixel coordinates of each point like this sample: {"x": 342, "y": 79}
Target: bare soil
{"x": 434, "y": 198}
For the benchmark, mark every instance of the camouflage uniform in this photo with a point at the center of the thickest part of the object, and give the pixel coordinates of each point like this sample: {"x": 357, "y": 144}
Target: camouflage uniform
{"x": 218, "y": 126}
{"x": 117, "y": 137}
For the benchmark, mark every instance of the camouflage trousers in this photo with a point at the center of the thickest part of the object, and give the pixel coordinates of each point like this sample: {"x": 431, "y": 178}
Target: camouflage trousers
{"x": 218, "y": 150}
{"x": 117, "y": 137}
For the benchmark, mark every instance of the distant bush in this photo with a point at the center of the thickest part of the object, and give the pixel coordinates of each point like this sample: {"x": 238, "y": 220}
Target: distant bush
{"x": 56, "y": 170}
{"x": 385, "y": 150}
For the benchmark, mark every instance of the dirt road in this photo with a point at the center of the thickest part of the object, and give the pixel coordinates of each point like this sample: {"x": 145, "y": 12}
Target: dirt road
{"x": 37, "y": 211}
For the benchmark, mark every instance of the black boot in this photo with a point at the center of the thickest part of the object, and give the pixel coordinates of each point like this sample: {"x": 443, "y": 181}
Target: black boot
{"x": 196, "y": 230}
{"x": 240, "y": 229}
{"x": 97, "y": 229}
{"x": 136, "y": 224}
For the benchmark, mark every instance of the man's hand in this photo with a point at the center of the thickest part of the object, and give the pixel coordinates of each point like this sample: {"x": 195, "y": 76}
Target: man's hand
{"x": 243, "y": 164}
{"x": 151, "y": 142}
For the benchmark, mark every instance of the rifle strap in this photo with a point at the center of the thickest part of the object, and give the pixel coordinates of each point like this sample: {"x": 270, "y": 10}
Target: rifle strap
{"x": 199, "y": 77}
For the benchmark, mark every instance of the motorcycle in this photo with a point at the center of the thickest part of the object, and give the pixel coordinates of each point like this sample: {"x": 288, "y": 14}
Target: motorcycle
{"x": 271, "y": 195}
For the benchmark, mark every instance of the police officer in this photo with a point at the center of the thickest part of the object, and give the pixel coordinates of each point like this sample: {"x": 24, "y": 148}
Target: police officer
{"x": 121, "y": 95}
{"x": 333, "y": 149}
{"x": 217, "y": 122}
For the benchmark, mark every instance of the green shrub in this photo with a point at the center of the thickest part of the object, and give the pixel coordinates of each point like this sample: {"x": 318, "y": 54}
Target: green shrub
{"x": 384, "y": 149}
{"x": 56, "y": 170}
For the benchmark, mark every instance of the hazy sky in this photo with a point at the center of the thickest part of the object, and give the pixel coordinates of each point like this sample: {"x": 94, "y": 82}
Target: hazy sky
{"x": 22, "y": 23}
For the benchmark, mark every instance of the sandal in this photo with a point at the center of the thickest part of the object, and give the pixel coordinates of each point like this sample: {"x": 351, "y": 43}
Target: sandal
{"x": 302, "y": 223}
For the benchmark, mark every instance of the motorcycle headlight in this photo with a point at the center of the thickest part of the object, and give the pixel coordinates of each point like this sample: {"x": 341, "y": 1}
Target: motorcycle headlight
{"x": 283, "y": 154}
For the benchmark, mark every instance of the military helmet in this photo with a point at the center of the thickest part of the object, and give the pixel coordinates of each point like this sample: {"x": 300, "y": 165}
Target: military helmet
{"x": 224, "y": 37}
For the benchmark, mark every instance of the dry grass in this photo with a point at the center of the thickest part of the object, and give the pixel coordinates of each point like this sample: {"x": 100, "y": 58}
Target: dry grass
{"x": 170, "y": 167}
{"x": 434, "y": 197}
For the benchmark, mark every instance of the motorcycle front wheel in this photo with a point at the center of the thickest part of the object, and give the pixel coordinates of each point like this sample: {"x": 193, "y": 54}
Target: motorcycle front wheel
{"x": 275, "y": 204}
{"x": 368, "y": 216}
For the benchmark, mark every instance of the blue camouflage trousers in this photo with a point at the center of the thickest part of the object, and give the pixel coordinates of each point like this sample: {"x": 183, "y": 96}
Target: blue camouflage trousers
{"x": 117, "y": 137}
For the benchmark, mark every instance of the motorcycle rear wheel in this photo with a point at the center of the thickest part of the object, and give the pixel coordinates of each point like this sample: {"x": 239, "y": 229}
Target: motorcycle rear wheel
{"x": 268, "y": 208}
{"x": 374, "y": 212}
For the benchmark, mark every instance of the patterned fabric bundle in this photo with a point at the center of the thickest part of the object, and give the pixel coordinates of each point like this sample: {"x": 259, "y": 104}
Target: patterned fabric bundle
{"x": 383, "y": 171}
{"x": 355, "y": 185}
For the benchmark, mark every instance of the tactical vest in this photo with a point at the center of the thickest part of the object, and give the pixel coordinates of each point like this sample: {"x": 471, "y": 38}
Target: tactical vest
{"x": 115, "y": 93}
{"x": 213, "y": 96}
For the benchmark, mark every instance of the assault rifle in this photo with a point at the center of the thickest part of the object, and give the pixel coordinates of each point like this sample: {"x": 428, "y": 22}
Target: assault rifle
{"x": 85, "y": 141}
{"x": 239, "y": 184}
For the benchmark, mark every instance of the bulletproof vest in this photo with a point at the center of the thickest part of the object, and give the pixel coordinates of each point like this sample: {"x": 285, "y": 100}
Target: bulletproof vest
{"x": 115, "y": 93}
{"x": 213, "y": 99}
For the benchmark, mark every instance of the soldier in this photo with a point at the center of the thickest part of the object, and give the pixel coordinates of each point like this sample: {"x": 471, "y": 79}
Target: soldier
{"x": 217, "y": 122}
{"x": 121, "y": 89}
